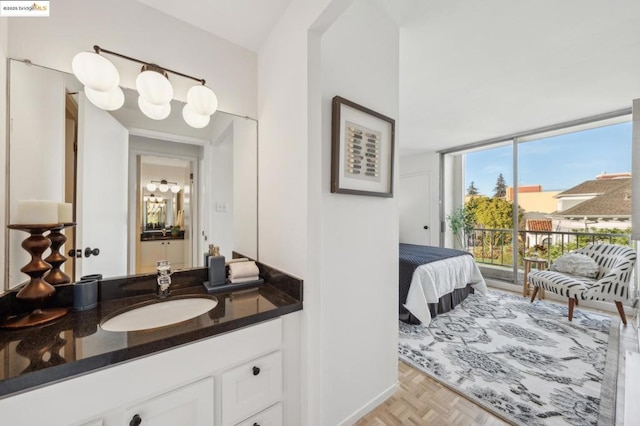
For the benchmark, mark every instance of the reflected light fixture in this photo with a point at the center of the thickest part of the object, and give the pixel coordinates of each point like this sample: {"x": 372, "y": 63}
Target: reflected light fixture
{"x": 163, "y": 186}
{"x": 101, "y": 80}
{"x": 153, "y": 198}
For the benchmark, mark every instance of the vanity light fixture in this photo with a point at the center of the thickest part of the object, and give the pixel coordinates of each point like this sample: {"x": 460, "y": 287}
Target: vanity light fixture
{"x": 101, "y": 79}
{"x": 163, "y": 186}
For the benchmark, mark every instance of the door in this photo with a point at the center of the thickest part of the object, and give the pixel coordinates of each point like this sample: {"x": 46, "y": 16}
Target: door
{"x": 101, "y": 216}
{"x": 415, "y": 202}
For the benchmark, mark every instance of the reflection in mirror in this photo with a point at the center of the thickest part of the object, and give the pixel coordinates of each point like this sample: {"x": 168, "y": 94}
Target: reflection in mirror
{"x": 63, "y": 148}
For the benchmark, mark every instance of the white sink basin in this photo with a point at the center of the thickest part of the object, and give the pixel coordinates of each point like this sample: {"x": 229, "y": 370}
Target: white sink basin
{"x": 160, "y": 314}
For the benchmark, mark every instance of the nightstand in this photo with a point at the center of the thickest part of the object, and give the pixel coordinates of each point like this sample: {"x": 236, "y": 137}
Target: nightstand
{"x": 539, "y": 264}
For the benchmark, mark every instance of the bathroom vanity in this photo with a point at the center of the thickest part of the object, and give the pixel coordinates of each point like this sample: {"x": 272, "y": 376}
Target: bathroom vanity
{"x": 224, "y": 367}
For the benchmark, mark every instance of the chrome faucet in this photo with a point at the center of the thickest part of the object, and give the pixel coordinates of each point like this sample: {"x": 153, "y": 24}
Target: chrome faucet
{"x": 164, "y": 278}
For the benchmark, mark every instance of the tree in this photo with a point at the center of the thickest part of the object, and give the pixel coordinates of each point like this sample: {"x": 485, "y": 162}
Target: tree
{"x": 501, "y": 187}
{"x": 472, "y": 190}
{"x": 493, "y": 213}
{"x": 461, "y": 222}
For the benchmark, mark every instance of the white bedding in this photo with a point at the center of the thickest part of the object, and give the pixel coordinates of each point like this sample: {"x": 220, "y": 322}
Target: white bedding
{"x": 433, "y": 280}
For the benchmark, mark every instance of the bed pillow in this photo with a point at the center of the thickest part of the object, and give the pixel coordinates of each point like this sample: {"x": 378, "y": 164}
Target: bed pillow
{"x": 576, "y": 264}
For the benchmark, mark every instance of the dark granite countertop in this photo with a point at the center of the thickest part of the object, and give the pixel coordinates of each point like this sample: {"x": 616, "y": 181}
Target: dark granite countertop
{"x": 76, "y": 344}
{"x": 159, "y": 237}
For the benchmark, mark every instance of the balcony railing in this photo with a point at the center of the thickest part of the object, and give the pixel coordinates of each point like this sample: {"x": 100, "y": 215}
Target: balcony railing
{"x": 494, "y": 246}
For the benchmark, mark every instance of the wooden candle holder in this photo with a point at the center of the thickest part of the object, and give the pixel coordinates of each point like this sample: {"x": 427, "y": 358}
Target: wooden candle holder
{"x": 37, "y": 291}
{"x": 56, "y": 259}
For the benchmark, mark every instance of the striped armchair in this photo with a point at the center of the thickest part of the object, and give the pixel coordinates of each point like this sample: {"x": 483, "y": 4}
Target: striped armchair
{"x": 611, "y": 284}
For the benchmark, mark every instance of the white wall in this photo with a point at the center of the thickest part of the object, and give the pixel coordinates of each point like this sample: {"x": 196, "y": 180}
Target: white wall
{"x": 308, "y": 231}
{"x": 359, "y": 233}
{"x": 4, "y": 53}
{"x": 282, "y": 217}
{"x": 222, "y": 192}
{"x": 427, "y": 163}
{"x": 245, "y": 187}
{"x": 139, "y": 31}
{"x": 37, "y": 141}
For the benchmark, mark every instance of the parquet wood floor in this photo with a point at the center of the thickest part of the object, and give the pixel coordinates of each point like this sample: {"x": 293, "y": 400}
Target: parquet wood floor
{"x": 421, "y": 400}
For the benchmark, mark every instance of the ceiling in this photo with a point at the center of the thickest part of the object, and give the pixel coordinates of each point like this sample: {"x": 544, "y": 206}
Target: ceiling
{"x": 243, "y": 22}
{"x": 471, "y": 70}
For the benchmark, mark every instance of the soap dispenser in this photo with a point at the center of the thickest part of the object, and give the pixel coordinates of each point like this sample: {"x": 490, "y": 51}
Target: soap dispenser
{"x": 217, "y": 268}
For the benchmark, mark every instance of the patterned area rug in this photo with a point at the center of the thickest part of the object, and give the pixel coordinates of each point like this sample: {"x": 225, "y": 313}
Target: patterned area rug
{"x": 523, "y": 361}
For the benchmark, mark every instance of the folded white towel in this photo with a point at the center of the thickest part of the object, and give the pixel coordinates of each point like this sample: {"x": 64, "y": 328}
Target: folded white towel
{"x": 244, "y": 280}
{"x": 243, "y": 270}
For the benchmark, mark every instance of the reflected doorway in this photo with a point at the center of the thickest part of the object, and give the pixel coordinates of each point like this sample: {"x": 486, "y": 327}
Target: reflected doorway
{"x": 164, "y": 212}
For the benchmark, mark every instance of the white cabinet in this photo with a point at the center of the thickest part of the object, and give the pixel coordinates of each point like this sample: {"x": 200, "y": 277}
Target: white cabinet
{"x": 93, "y": 422}
{"x": 175, "y": 252}
{"x": 272, "y": 416}
{"x": 190, "y": 405}
{"x": 182, "y": 386}
{"x": 251, "y": 387}
{"x": 152, "y": 251}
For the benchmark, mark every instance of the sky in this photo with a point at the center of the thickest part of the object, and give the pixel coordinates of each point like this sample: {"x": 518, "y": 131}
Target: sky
{"x": 556, "y": 163}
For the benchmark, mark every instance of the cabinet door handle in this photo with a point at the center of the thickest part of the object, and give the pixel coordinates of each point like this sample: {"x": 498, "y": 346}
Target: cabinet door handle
{"x": 256, "y": 371}
{"x": 256, "y": 424}
{"x": 135, "y": 420}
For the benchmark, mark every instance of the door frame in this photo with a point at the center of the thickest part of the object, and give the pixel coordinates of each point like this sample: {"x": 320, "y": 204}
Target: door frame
{"x": 133, "y": 194}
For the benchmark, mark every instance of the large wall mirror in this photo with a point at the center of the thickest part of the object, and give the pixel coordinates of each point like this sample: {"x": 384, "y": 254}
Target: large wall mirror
{"x": 142, "y": 190}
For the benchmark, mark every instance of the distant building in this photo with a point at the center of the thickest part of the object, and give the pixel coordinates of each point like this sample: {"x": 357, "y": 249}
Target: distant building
{"x": 595, "y": 204}
{"x": 533, "y": 200}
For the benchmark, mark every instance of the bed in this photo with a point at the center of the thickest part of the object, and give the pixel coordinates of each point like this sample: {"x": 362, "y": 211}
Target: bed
{"x": 434, "y": 280}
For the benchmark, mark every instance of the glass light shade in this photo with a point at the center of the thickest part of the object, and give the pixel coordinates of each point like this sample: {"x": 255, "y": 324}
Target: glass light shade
{"x": 158, "y": 199}
{"x": 154, "y": 87}
{"x": 145, "y": 198}
{"x": 95, "y": 71}
{"x": 163, "y": 187}
{"x": 109, "y": 101}
{"x": 175, "y": 189}
{"x": 202, "y": 100}
{"x": 155, "y": 112}
{"x": 151, "y": 186}
{"x": 193, "y": 119}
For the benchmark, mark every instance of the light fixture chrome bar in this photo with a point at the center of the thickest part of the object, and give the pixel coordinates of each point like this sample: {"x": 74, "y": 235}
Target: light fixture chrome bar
{"x": 99, "y": 50}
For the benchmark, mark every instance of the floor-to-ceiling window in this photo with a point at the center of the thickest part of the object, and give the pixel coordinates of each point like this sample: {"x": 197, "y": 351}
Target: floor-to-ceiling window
{"x": 568, "y": 186}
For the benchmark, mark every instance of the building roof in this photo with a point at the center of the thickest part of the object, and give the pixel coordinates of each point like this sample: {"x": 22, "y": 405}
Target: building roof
{"x": 539, "y": 225}
{"x": 596, "y": 187}
{"x": 615, "y": 202}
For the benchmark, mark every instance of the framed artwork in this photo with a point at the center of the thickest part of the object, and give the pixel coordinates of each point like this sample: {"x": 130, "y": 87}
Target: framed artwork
{"x": 361, "y": 150}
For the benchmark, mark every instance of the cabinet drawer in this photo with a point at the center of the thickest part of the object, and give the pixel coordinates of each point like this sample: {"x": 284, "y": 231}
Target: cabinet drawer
{"x": 251, "y": 387}
{"x": 189, "y": 405}
{"x": 272, "y": 416}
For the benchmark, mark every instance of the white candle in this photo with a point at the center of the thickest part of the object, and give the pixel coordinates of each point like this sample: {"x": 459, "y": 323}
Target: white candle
{"x": 65, "y": 213}
{"x": 36, "y": 212}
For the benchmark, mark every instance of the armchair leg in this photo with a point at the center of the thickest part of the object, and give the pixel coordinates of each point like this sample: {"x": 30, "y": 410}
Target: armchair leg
{"x": 572, "y": 303}
{"x": 533, "y": 296}
{"x": 621, "y": 312}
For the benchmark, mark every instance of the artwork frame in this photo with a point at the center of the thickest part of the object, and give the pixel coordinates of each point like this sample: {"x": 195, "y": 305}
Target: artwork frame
{"x": 362, "y": 150}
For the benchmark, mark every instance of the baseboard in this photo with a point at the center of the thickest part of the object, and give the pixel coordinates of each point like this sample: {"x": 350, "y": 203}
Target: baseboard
{"x": 370, "y": 406}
